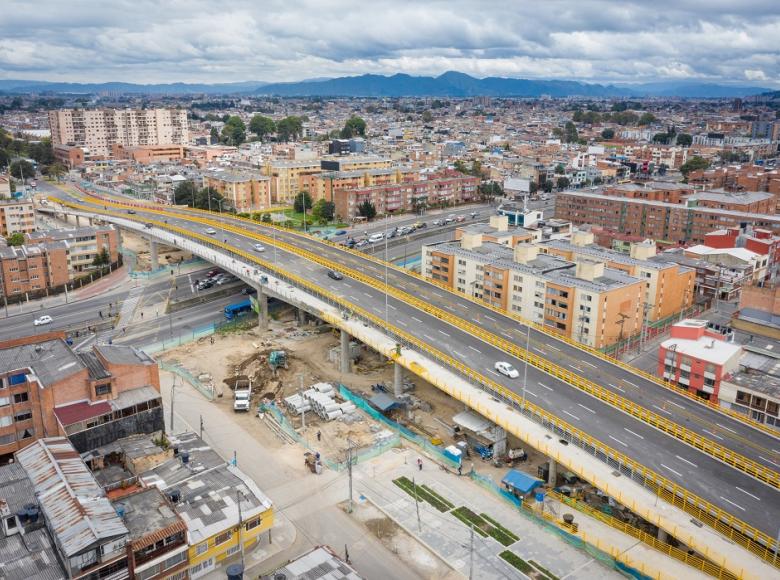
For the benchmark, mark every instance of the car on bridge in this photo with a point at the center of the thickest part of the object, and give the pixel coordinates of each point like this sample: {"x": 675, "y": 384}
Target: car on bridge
{"x": 211, "y": 231}
{"x": 506, "y": 369}
{"x": 335, "y": 275}
{"x": 45, "y": 319}
{"x": 258, "y": 248}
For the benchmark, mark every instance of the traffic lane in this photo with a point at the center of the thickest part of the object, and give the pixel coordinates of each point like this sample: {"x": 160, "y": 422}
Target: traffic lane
{"x": 757, "y": 504}
{"x": 749, "y": 442}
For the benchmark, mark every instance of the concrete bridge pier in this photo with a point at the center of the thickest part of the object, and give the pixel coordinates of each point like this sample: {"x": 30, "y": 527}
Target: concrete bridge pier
{"x": 344, "y": 352}
{"x": 499, "y": 447}
{"x": 662, "y": 536}
{"x": 78, "y": 221}
{"x": 153, "y": 257}
{"x": 552, "y": 475}
{"x": 301, "y": 316}
{"x": 398, "y": 380}
{"x": 262, "y": 315}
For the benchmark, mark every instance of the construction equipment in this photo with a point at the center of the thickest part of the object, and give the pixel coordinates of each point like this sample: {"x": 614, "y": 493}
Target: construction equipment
{"x": 278, "y": 359}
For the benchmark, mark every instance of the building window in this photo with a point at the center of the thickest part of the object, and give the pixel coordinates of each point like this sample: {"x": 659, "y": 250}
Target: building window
{"x": 253, "y": 523}
{"x": 103, "y": 389}
{"x": 21, "y": 397}
{"x": 223, "y": 537}
{"x": 201, "y": 548}
{"x": 23, "y": 416}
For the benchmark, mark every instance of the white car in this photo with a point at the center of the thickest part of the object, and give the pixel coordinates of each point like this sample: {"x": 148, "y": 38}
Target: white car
{"x": 211, "y": 231}
{"x": 374, "y": 238}
{"x": 259, "y": 247}
{"x": 506, "y": 369}
{"x": 45, "y": 319}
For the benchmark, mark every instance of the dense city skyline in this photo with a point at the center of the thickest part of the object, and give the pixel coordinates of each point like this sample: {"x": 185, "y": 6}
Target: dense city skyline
{"x": 201, "y": 41}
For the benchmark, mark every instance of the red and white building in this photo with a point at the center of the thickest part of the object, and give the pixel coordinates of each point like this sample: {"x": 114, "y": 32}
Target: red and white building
{"x": 757, "y": 240}
{"x": 698, "y": 357}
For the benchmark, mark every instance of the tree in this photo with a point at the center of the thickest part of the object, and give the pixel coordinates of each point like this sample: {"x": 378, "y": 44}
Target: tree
{"x": 5, "y": 159}
{"x": 354, "y": 126}
{"x": 684, "y": 140}
{"x": 693, "y": 164}
{"x": 562, "y": 182}
{"x": 234, "y": 131}
{"x": 102, "y": 259}
{"x": 547, "y": 186}
{"x": 184, "y": 193}
{"x": 55, "y": 171}
{"x": 560, "y": 169}
{"x": 302, "y": 201}
{"x": 266, "y": 218}
{"x": 490, "y": 189}
{"x": 661, "y": 138}
{"x": 15, "y": 239}
{"x": 214, "y": 136}
{"x": 608, "y": 134}
{"x": 646, "y": 119}
{"x": 323, "y": 211}
{"x": 427, "y": 117}
{"x": 22, "y": 168}
{"x": 367, "y": 210}
{"x": 289, "y": 128}
{"x": 261, "y": 126}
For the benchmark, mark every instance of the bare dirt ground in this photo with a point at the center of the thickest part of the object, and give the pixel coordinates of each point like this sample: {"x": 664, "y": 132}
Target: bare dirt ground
{"x": 140, "y": 245}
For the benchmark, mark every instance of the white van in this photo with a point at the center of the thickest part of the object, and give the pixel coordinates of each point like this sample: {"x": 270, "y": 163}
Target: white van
{"x": 374, "y": 238}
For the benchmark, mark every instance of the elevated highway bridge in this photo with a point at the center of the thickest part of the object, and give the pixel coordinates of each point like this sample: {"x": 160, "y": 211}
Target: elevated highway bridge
{"x": 717, "y": 467}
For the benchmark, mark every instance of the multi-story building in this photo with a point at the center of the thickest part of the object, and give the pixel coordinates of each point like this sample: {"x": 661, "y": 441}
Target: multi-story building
{"x": 587, "y": 301}
{"x": 355, "y": 163}
{"x": 93, "y": 398}
{"x": 673, "y": 222}
{"x": 5, "y": 186}
{"x": 698, "y": 356}
{"x": 89, "y": 537}
{"x": 70, "y": 156}
{"x": 669, "y": 287}
{"x": 33, "y": 268}
{"x": 147, "y": 154}
{"x": 16, "y": 215}
{"x": 286, "y": 177}
{"x": 223, "y": 508}
{"x": 83, "y": 243}
{"x": 96, "y": 130}
{"x": 246, "y": 191}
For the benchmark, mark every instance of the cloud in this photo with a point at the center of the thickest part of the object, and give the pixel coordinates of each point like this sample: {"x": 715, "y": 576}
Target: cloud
{"x": 278, "y": 40}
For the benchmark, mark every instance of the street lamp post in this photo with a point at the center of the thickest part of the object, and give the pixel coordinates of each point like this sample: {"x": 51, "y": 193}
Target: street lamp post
{"x": 527, "y": 354}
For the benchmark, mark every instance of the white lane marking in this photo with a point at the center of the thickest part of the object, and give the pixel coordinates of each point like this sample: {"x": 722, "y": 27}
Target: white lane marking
{"x": 630, "y": 383}
{"x": 531, "y": 393}
{"x": 401, "y": 322}
{"x": 748, "y": 493}
{"x": 676, "y": 404}
{"x": 444, "y": 333}
{"x": 367, "y": 295}
{"x": 618, "y": 440}
{"x": 589, "y": 364}
{"x": 391, "y": 306}
{"x": 677, "y": 473}
{"x": 537, "y": 349}
{"x": 632, "y": 433}
{"x": 686, "y": 461}
{"x": 417, "y": 319}
{"x": 553, "y": 347}
{"x": 475, "y": 349}
{"x": 570, "y": 415}
{"x": 507, "y": 335}
{"x": 713, "y": 434}
{"x": 490, "y": 318}
{"x": 588, "y": 409}
{"x": 621, "y": 389}
{"x": 769, "y": 460}
{"x": 439, "y": 294}
{"x": 463, "y": 306}
{"x": 428, "y": 337}
{"x": 545, "y": 386}
{"x": 494, "y": 372}
{"x": 728, "y": 428}
{"x": 461, "y": 355}
{"x": 347, "y": 284}
{"x": 732, "y": 503}
{"x": 662, "y": 409}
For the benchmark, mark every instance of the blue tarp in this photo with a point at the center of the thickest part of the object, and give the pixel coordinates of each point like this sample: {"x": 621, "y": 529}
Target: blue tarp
{"x": 383, "y": 402}
{"x": 521, "y": 482}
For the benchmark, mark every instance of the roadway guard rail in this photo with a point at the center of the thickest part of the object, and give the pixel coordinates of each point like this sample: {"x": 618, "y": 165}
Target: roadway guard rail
{"x": 751, "y": 538}
{"x": 539, "y": 327}
{"x": 704, "y": 444}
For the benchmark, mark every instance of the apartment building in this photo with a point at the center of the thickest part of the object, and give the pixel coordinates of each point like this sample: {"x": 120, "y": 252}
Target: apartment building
{"x": 674, "y": 222}
{"x": 325, "y": 185}
{"x": 83, "y": 243}
{"x": 34, "y": 268}
{"x": 355, "y": 163}
{"x": 247, "y": 191}
{"x": 286, "y": 177}
{"x": 698, "y": 356}
{"x": 5, "y": 186}
{"x": 96, "y": 130}
{"x": 16, "y": 215}
{"x": 407, "y": 196}
{"x": 669, "y": 287}
{"x": 70, "y": 156}
{"x": 148, "y": 154}
{"x": 93, "y": 398}
{"x": 586, "y": 300}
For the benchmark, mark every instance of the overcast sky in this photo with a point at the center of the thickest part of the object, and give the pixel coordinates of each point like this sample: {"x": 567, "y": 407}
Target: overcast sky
{"x": 283, "y": 40}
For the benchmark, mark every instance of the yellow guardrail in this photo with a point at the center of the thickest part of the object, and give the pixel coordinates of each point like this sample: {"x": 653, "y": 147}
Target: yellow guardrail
{"x": 690, "y": 559}
{"x": 751, "y": 538}
{"x": 539, "y": 327}
{"x": 712, "y": 448}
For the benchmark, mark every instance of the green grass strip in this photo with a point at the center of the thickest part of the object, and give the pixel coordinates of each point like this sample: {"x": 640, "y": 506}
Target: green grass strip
{"x": 458, "y": 513}
{"x": 516, "y": 561}
{"x": 487, "y": 527}
{"x": 543, "y": 569}
{"x": 437, "y": 496}
{"x": 423, "y": 494}
{"x": 500, "y": 527}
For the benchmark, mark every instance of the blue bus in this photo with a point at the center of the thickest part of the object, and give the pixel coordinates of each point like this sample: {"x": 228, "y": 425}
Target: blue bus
{"x": 238, "y": 309}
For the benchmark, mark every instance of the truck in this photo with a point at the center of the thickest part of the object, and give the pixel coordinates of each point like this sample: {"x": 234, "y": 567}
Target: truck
{"x": 238, "y": 309}
{"x": 242, "y": 393}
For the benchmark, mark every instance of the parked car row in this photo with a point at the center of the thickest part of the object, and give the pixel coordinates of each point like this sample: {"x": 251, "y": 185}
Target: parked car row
{"x": 215, "y": 277}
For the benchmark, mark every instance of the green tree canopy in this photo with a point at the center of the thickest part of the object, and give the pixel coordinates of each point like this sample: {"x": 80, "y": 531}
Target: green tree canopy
{"x": 367, "y": 210}
{"x": 102, "y": 259}
{"x": 261, "y": 126}
{"x": 355, "y": 126}
{"x": 302, "y": 199}
{"x": 15, "y": 239}
{"x": 562, "y": 182}
{"x": 5, "y": 159}
{"x": 684, "y": 140}
{"x": 289, "y": 128}
{"x": 608, "y": 134}
{"x": 661, "y": 138}
{"x": 323, "y": 211}
{"x": 22, "y": 168}
{"x": 184, "y": 193}
{"x": 427, "y": 117}
{"x": 646, "y": 119}
{"x": 693, "y": 164}
{"x": 234, "y": 131}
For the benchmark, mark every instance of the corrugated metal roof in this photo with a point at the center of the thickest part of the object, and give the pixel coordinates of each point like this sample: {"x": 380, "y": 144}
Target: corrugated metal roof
{"x": 74, "y": 504}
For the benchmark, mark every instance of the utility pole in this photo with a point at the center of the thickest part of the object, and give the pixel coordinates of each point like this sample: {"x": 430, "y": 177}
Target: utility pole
{"x": 303, "y": 411}
{"x": 417, "y": 505}
{"x": 350, "y": 447}
{"x": 240, "y": 524}
{"x": 173, "y": 390}
{"x": 201, "y": 426}
{"x": 471, "y": 553}
{"x": 622, "y": 323}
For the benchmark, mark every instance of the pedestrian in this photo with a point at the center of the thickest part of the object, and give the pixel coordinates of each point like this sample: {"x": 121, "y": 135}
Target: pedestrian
{"x": 319, "y": 435}
{"x": 124, "y": 330}
{"x": 142, "y": 315}
{"x": 460, "y": 469}
{"x": 212, "y": 339}
{"x": 100, "y": 313}
{"x": 419, "y": 463}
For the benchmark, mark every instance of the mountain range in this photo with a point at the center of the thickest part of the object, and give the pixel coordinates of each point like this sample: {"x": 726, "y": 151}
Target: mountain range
{"x": 449, "y": 84}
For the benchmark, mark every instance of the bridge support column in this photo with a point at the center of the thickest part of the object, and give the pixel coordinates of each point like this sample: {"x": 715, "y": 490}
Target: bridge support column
{"x": 262, "y": 315}
{"x": 552, "y": 475}
{"x": 344, "y": 352}
{"x": 499, "y": 447}
{"x": 153, "y": 258}
{"x": 398, "y": 380}
{"x": 91, "y": 221}
{"x": 301, "y": 316}
{"x": 78, "y": 221}
{"x": 662, "y": 536}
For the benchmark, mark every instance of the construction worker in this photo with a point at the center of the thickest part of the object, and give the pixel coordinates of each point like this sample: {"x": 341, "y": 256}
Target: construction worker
{"x": 319, "y": 435}
{"x": 419, "y": 463}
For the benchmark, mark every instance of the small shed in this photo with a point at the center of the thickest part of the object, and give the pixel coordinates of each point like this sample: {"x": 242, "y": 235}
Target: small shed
{"x": 519, "y": 483}
{"x": 384, "y": 402}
